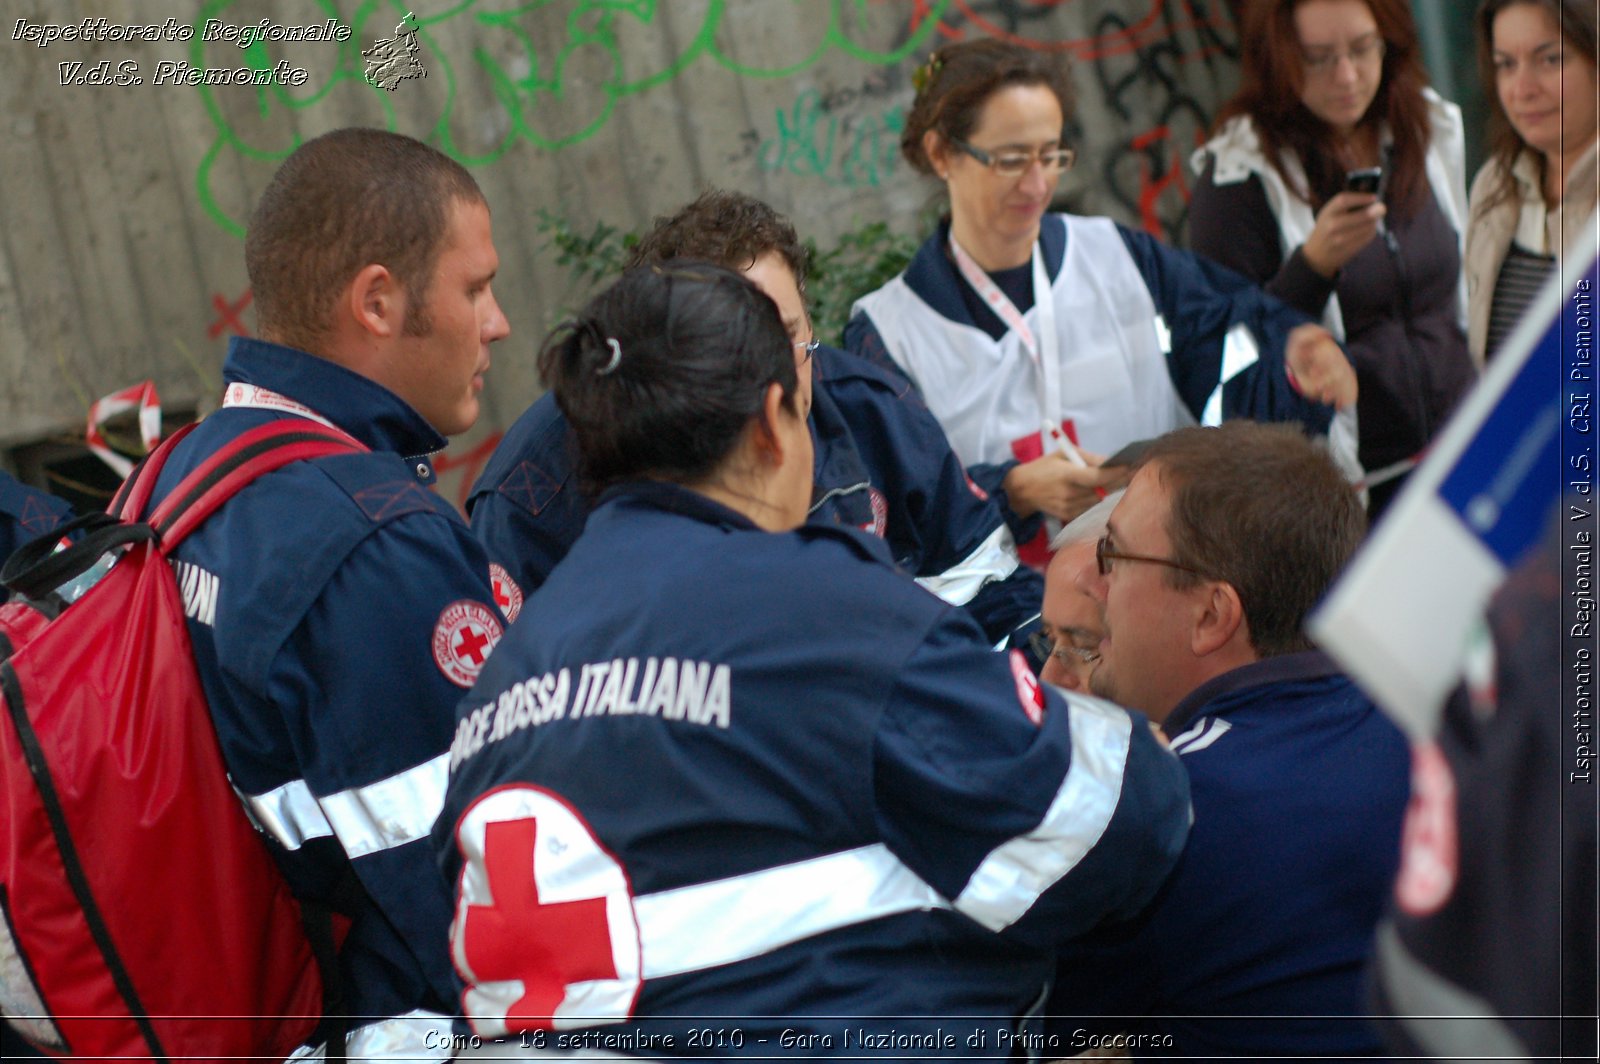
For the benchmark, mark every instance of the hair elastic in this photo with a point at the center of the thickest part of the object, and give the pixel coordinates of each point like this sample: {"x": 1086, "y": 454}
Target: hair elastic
{"x": 616, "y": 357}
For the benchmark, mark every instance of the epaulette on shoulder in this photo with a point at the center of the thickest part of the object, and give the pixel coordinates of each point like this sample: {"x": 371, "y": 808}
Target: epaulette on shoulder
{"x": 382, "y": 486}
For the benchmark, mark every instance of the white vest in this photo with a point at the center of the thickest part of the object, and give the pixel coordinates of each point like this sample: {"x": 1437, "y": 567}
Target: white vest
{"x": 1115, "y": 387}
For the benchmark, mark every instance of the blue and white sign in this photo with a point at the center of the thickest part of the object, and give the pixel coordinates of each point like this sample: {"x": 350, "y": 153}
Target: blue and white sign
{"x": 1402, "y": 617}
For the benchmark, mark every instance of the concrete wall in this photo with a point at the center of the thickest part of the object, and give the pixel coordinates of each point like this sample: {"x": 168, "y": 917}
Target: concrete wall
{"x": 123, "y": 206}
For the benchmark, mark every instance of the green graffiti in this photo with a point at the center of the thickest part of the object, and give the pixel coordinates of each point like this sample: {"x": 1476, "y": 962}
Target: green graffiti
{"x": 856, "y": 151}
{"x": 530, "y": 91}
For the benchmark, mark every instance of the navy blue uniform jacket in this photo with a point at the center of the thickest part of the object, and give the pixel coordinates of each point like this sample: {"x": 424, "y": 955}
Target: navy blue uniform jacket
{"x": 716, "y": 771}
{"x": 339, "y": 609}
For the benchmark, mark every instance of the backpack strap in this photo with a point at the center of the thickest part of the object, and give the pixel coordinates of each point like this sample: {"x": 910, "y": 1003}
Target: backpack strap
{"x": 131, "y": 498}
{"x": 242, "y": 460}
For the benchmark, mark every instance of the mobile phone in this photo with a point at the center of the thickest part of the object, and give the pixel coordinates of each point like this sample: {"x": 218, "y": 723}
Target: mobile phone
{"x": 1366, "y": 180}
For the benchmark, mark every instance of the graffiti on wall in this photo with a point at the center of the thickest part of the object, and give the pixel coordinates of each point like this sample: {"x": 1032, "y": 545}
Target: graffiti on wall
{"x": 1138, "y": 58}
{"x": 534, "y": 88}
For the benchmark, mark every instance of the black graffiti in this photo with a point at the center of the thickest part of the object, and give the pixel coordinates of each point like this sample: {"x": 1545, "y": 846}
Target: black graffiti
{"x": 1144, "y": 172}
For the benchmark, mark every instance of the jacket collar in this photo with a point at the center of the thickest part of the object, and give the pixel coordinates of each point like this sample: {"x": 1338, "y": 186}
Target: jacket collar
{"x": 933, "y": 274}
{"x": 358, "y": 405}
{"x": 673, "y": 498}
{"x": 1283, "y": 668}
{"x": 839, "y": 464}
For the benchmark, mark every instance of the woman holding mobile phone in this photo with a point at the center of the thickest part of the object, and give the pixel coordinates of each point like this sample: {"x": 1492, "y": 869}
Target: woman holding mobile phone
{"x": 1332, "y": 90}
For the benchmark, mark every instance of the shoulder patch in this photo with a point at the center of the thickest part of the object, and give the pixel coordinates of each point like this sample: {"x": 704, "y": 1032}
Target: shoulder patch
{"x": 382, "y": 486}
{"x": 531, "y": 487}
{"x": 880, "y": 513}
{"x": 1029, "y": 693}
{"x": 462, "y": 637}
{"x": 384, "y": 501}
{"x": 507, "y": 595}
{"x": 1428, "y": 851}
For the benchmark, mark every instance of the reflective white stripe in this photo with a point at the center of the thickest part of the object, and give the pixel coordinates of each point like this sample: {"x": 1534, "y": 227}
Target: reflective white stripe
{"x": 762, "y": 911}
{"x": 1014, "y": 875}
{"x": 419, "y": 1035}
{"x": 379, "y": 816}
{"x": 1201, "y": 736}
{"x": 391, "y": 812}
{"x": 995, "y": 559}
{"x": 1239, "y": 353}
{"x": 289, "y": 814}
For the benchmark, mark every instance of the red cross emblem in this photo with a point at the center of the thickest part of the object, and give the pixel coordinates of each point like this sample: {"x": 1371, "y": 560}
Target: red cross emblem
{"x": 1429, "y": 855}
{"x": 1029, "y": 693}
{"x": 542, "y": 945}
{"x": 521, "y": 949}
{"x": 462, "y": 638}
{"x": 472, "y": 645}
{"x": 507, "y": 595}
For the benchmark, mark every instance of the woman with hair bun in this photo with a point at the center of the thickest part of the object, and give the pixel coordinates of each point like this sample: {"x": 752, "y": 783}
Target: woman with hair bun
{"x": 1032, "y": 334}
{"x": 727, "y": 764}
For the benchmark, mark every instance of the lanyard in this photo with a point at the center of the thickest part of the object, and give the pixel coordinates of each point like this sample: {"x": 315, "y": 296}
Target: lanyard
{"x": 1041, "y": 350}
{"x": 258, "y": 398}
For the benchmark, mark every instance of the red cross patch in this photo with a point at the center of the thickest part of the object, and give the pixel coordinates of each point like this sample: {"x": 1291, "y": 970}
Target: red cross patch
{"x": 1429, "y": 858}
{"x": 507, "y": 595}
{"x": 880, "y": 513}
{"x": 462, "y": 638}
{"x": 1029, "y": 693}
{"x": 545, "y": 935}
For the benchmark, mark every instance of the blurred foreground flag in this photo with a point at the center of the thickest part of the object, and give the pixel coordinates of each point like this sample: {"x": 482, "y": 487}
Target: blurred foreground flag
{"x": 1401, "y": 618}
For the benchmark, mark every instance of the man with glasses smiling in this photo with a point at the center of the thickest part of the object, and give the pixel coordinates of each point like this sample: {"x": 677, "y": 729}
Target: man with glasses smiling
{"x": 1224, "y": 540}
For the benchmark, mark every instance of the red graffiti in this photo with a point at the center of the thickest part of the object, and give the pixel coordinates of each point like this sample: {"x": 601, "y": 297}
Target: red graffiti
{"x": 228, "y": 315}
{"x": 1151, "y": 184}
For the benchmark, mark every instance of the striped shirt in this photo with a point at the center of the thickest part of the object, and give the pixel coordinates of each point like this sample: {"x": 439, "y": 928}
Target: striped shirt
{"x": 1521, "y": 277}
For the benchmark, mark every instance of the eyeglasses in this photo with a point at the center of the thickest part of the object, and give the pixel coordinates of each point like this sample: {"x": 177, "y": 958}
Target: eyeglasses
{"x": 1016, "y": 163}
{"x": 1324, "y": 61}
{"x": 1104, "y": 555}
{"x": 809, "y": 347}
{"x": 1045, "y": 647}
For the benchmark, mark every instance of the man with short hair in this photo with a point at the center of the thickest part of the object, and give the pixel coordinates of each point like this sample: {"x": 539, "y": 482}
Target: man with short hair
{"x": 882, "y": 462}
{"x": 339, "y": 608}
{"x": 1225, "y": 539}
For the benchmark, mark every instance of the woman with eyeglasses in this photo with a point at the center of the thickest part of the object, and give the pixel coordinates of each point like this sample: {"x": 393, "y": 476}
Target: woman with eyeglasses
{"x": 1536, "y": 192}
{"x": 726, "y": 763}
{"x": 1336, "y": 180}
{"x": 1041, "y": 340}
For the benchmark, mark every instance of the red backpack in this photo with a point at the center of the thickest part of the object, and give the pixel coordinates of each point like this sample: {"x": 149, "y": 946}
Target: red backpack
{"x": 141, "y": 915}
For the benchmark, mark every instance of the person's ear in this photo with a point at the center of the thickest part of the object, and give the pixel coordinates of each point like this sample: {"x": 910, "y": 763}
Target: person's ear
{"x": 769, "y": 442}
{"x": 376, "y": 302}
{"x": 1219, "y": 615}
{"x": 937, "y": 150}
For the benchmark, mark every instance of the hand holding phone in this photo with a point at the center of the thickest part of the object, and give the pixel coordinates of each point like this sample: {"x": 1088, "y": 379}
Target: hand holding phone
{"x": 1347, "y": 222}
{"x": 1366, "y": 180}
